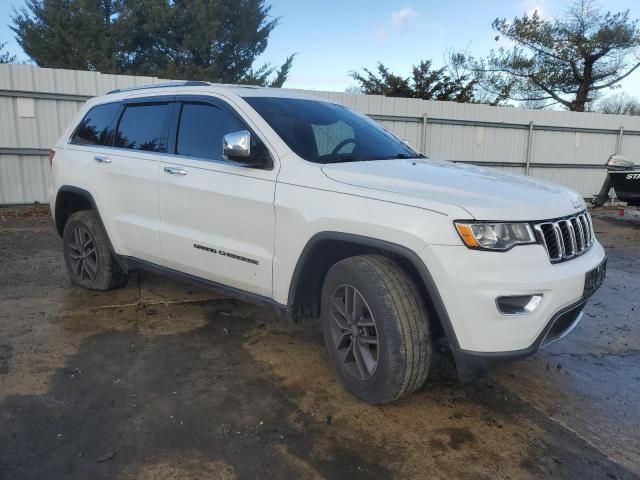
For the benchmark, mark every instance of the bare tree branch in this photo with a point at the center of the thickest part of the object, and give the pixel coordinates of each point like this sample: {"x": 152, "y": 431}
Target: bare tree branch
{"x": 618, "y": 79}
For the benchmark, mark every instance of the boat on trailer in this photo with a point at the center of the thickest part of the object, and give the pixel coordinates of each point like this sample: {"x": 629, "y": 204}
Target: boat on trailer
{"x": 624, "y": 178}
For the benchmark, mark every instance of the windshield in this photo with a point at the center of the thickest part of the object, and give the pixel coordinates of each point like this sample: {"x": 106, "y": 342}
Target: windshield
{"x": 324, "y": 132}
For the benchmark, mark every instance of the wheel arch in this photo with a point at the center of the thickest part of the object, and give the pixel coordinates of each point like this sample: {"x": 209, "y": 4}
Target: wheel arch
{"x": 70, "y": 200}
{"x": 326, "y": 248}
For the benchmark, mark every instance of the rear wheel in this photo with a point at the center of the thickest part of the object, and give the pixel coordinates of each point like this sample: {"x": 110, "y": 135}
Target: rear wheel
{"x": 375, "y": 327}
{"x": 87, "y": 255}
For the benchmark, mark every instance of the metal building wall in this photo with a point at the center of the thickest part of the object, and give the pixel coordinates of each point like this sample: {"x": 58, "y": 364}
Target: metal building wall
{"x": 36, "y": 104}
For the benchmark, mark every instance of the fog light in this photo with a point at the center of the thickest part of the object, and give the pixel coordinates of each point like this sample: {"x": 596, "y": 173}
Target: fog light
{"x": 518, "y": 304}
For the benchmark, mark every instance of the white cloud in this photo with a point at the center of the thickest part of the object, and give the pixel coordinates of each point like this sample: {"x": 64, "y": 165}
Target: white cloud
{"x": 539, "y": 6}
{"x": 402, "y": 19}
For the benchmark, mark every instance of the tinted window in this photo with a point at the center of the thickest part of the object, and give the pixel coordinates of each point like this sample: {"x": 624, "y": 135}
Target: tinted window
{"x": 94, "y": 129}
{"x": 142, "y": 127}
{"x": 325, "y": 132}
{"x": 201, "y": 129}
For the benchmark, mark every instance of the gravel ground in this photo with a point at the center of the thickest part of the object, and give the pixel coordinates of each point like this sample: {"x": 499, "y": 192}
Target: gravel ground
{"x": 162, "y": 380}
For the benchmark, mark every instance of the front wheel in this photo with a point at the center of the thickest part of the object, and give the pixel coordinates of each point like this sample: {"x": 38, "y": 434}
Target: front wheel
{"x": 375, "y": 327}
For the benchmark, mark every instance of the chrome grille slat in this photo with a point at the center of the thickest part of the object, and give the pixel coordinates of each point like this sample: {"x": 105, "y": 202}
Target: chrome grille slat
{"x": 566, "y": 238}
{"x": 560, "y": 240}
{"x": 581, "y": 235}
{"x": 587, "y": 232}
{"x": 548, "y": 237}
{"x": 585, "y": 227}
{"x": 572, "y": 236}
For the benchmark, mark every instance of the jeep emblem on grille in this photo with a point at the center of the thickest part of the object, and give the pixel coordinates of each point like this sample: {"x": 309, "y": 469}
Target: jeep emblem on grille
{"x": 576, "y": 203}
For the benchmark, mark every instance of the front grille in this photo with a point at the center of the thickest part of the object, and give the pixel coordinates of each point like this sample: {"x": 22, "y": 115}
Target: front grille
{"x": 567, "y": 237}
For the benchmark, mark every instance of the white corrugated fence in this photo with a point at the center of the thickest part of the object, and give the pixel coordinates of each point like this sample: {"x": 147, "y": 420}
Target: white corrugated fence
{"x": 569, "y": 148}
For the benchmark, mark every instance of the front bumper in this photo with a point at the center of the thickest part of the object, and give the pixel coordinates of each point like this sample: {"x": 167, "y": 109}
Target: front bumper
{"x": 469, "y": 281}
{"x": 472, "y": 365}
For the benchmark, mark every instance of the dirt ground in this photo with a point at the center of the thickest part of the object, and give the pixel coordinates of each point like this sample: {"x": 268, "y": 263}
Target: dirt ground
{"x": 168, "y": 381}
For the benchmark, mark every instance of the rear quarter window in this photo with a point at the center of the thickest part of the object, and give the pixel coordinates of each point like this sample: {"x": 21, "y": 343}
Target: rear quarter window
{"x": 95, "y": 127}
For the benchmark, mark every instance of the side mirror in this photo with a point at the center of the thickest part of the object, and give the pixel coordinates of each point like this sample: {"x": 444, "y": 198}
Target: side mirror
{"x": 237, "y": 145}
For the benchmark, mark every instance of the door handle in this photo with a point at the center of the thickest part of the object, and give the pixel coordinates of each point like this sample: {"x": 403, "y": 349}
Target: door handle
{"x": 101, "y": 159}
{"x": 175, "y": 170}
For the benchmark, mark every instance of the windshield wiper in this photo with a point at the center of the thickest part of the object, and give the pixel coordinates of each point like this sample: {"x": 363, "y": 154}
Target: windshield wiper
{"x": 402, "y": 156}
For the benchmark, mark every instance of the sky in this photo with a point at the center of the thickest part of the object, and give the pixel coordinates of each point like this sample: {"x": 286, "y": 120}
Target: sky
{"x": 333, "y": 37}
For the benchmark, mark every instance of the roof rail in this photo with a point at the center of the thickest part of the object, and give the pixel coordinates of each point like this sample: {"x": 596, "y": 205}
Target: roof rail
{"x": 189, "y": 83}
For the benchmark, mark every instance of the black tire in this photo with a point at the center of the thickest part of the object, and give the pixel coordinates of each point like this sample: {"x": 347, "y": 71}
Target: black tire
{"x": 403, "y": 348}
{"x": 94, "y": 267}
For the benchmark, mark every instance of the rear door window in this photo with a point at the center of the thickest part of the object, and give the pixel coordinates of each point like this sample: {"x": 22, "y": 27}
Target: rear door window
{"x": 143, "y": 127}
{"x": 95, "y": 127}
{"x": 201, "y": 129}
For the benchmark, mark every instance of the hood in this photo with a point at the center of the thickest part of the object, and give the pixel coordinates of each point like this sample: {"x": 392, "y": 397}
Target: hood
{"x": 485, "y": 193}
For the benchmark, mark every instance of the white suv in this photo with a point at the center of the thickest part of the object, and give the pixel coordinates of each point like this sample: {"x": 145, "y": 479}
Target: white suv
{"x": 303, "y": 204}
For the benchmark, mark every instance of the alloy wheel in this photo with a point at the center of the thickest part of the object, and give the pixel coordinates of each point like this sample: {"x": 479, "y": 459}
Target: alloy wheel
{"x": 83, "y": 254}
{"x": 354, "y": 333}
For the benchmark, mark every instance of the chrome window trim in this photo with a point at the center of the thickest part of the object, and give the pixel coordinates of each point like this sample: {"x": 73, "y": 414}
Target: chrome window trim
{"x": 128, "y": 152}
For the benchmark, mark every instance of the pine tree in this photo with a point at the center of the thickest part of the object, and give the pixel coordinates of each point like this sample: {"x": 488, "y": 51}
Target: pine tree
{"x": 215, "y": 40}
{"x": 568, "y": 60}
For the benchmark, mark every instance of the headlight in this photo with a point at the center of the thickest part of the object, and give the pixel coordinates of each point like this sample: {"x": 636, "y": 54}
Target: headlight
{"x": 495, "y": 236}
